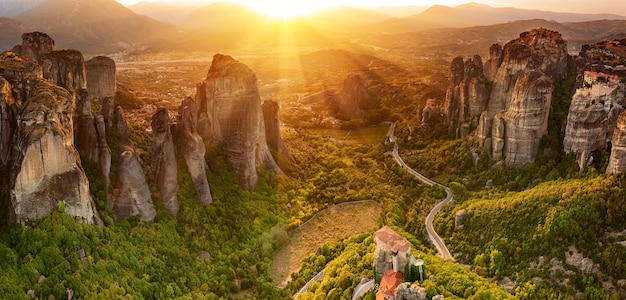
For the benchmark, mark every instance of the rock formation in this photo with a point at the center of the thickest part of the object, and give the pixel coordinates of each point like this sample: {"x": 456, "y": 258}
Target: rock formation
{"x": 429, "y": 112}
{"x": 8, "y": 119}
{"x": 592, "y": 116}
{"x": 234, "y": 117}
{"x": 133, "y": 195}
{"x": 85, "y": 134}
{"x": 42, "y": 166}
{"x": 164, "y": 166}
{"x": 194, "y": 150}
{"x": 467, "y": 95}
{"x": 351, "y": 94}
{"x": 617, "y": 161}
{"x": 35, "y": 44}
{"x": 100, "y": 72}
{"x": 522, "y": 78}
{"x": 272, "y": 129}
{"x": 64, "y": 68}
{"x": 104, "y": 159}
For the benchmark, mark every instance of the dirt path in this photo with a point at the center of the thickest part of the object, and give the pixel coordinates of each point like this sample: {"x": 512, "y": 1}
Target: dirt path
{"x": 331, "y": 225}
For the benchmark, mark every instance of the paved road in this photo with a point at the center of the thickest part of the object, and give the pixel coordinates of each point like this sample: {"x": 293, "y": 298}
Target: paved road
{"x": 432, "y": 234}
{"x": 361, "y": 289}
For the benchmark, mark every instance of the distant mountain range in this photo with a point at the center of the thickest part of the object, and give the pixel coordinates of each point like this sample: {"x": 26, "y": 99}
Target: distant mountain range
{"x": 474, "y": 14}
{"x": 104, "y": 26}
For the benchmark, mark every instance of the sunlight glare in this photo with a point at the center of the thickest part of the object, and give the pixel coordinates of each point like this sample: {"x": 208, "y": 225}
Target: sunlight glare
{"x": 285, "y": 9}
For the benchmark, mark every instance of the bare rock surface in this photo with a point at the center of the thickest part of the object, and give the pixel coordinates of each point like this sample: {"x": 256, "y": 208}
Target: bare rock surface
{"x": 592, "y": 116}
{"x": 234, "y": 118}
{"x": 518, "y": 98}
{"x": 194, "y": 150}
{"x": 617, "y": 161}
{"x": 100, "y": 72}
{"x": 272, "y": 129}
{"x": 133, "y": 196}
{"x": 163, "y": 165}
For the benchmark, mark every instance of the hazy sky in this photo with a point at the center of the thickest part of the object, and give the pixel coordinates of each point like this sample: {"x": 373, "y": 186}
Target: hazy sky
{"x": 301, "y": 6}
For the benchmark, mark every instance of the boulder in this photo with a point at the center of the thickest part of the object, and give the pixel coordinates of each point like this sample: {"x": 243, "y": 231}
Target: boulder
{"x": 164, "y": 165}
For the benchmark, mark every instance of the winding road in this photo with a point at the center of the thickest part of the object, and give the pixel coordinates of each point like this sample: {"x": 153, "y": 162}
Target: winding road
{"x": 432, "y": 234}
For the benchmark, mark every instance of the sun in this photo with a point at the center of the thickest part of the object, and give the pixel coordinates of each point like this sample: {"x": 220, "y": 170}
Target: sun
{"x": 285, "y": 9}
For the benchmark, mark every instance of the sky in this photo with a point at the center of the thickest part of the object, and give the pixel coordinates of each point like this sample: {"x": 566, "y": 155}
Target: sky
{"x": 299, "y": 7}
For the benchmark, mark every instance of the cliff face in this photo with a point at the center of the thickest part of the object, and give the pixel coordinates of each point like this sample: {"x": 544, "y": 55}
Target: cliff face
{"x": 467, "y": 95}
{"x": 234, "y": 118}
{"x": 272, "y": 129}
{"x": 522, "y": 76}
{"x": 163, "y": 164}
{"x": 351, "y": 94}
{"x": 100, "y": 72}
{"x": 44, "y": 167}
{"x": 64, "y": 68}
{"x": 592, "y": 116}
{"x": 194, "y": 149}
{"x": 133, "y": 196}
{"x": 617, "y": 161}
{"x": 35, "y": 44}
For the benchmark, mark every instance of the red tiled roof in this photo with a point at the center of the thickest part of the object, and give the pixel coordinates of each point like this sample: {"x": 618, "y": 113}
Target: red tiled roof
{"x": 391, "y": 280}
{"x": 398, "y": 243}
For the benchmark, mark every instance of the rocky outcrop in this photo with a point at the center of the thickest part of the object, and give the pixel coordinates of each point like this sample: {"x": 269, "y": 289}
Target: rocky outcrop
{"x": 85, "y": 135}
{"x": 351, "y": 94}
{"x": 592, "y": 116}
{"x": 41, "y": 167}
{"x": 100, "y": 72}
{"x": 467, "y": 95}
{"x": 45, "y": 168}
{"x": 234, "y": 118}
{"x": 492, "y": 65}
{"x": 617, "y": 161}
{"x": 133, "y": 195}
{"x": 272, "y": 129}
{"x": 8, "y": 119}
{"x": 104, "y": 159}
{"x": 430, "y": 112}
{"x": 64, "y": 68}
{"x": 526, "y": 120}
{"x": 194, "y": 150}
{"x": 164, "y": 166}
{"x": 521, "y": 76}
{"x": 35, "y": 44}
{"x": 21, "y": 72}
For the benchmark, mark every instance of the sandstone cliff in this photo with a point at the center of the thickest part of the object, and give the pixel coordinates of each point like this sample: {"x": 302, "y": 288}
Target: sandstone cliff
{"x": 234, "y": 118}
{"x": 272, "y": 129}
{"x": 42, "y": 166}
{"x": 617, "y": 161}
{"x": 592, "y": 116}
{"x": 513, "y": 116}
{"x": 194, "y": 149}
{"x": 351, "y": 94}
{"x": 467, "y": 95}
{"x": 100, "y": 72}
{"x": 163, "y": 163}
{"x": 133, "y": 195}
{"x": 35, "y": 44}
